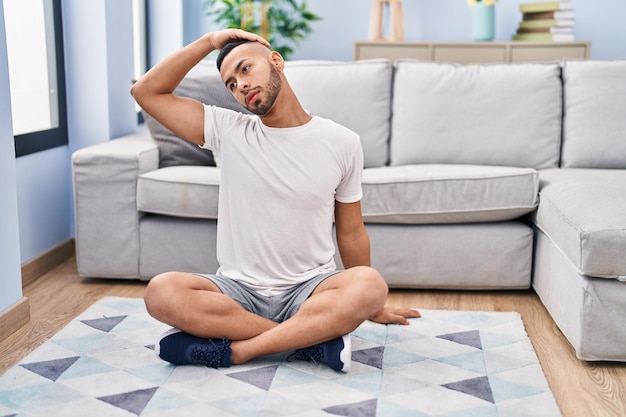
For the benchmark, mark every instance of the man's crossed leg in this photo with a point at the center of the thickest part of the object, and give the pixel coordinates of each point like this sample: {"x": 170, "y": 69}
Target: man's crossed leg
{"x": 217, "y": 322}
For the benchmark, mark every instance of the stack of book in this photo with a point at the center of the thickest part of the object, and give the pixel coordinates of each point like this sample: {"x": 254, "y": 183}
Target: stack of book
{"x": 546, "y": 22}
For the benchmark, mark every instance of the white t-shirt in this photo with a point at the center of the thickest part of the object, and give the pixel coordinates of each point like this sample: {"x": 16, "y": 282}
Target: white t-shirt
{"x": 277, "y": 196}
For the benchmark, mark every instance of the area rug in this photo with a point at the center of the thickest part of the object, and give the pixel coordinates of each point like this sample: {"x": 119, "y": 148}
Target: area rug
{"x": 445, "y": 364}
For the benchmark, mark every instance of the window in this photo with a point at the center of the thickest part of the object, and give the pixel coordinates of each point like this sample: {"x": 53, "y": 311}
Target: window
{"x": 36, "y": 74}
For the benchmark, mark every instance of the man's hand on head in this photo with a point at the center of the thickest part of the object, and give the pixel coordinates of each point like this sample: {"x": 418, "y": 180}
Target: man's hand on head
{"x": 389, "y": 315}
{"x": 220, "y": 38}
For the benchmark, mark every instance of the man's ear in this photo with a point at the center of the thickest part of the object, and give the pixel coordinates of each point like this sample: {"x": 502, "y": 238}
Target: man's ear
{"x": 277, "y": 60}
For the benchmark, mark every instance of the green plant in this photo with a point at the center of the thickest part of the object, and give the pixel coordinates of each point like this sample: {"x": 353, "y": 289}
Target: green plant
{"x": 282, "y": 22}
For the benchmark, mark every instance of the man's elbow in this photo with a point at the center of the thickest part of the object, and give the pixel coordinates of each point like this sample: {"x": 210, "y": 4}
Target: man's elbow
{"x": 135, "y": 92}
{"x": 139, "y": 92}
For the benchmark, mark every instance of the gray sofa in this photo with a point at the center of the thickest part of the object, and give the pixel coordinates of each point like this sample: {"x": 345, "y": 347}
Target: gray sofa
{"x": 476, "y": 177}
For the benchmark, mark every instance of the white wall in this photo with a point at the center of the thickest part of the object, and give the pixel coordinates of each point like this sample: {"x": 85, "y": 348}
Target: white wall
{"x": 99, "y": 70}
{"x": 120, "y": 68}
{"x": 195, "y": 21}
{"x": 602, "y": 22}
{"x": 10, "y": 274}
{"x": 165, "y": 28}
{"x": 43, "y": 191}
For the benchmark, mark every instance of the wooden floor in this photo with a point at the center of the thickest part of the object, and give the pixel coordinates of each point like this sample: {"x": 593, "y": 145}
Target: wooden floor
{"x": 581, "y": 388}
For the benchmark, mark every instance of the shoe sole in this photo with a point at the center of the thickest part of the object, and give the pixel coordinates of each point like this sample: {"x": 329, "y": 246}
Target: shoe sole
{"x": 346, "y": 353}
{"x": 157, "y": 346}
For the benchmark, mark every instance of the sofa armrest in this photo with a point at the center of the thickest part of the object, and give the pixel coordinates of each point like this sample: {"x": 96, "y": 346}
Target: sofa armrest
{"x": 105, "y": 209}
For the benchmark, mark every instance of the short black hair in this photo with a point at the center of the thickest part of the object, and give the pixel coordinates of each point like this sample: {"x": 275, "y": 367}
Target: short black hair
{"x": 226, "y": 50}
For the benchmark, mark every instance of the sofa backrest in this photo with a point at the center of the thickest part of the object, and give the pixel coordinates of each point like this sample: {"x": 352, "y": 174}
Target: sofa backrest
{"x": 594, "y": 124}
{"x": 355, "y": 94}
{"x": 496, "y": 114}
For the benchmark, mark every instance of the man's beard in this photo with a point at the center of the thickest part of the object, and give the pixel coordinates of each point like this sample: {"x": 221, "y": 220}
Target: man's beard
{"x": 272, "y": 88}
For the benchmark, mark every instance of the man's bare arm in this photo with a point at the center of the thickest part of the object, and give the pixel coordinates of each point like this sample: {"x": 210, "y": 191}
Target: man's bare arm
{"x": 354, "y": 248}
{"x": 153, "y": 91}
{"x": 352, "y": 239}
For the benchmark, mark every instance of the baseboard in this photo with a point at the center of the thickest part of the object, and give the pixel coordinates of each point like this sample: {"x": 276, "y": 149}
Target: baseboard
{"x": 42, "y": 264}
{"x": 14, "y": 317}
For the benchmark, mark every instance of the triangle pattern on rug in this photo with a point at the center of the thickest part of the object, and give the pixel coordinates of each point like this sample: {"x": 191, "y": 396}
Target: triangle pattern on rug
{"x": 477, "y": 387}
{"x": 394, "y": 357}
{"x": 505, "y": 390}
{"x": 260, "y": 377}
{"x": 473, "y": 361}
{"x": 468, "y": 338}
{"x": 52, "y": 369}
{"x": 133, "y": 401}
{"x": 372, "y": 356}
{"x": 447, "y": 363}
{"x": 105, "y": 324}
{"x": 365, "y": 408}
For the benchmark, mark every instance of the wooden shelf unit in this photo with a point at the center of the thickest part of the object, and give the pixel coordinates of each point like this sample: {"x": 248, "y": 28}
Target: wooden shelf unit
{"x": 473, "y": 52}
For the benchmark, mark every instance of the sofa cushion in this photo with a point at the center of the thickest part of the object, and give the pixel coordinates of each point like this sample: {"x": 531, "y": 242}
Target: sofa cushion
{"x": 583, "y": 211}
{"x": 409, "y": 194}
{"x": 428, "y": 194}
{"x": 594, "y": 126}
{"x": 204, "y": 84}
{"x": 354, "y": 94}
{"x": 181, "y": 191}
{"x": 496, "y": 114}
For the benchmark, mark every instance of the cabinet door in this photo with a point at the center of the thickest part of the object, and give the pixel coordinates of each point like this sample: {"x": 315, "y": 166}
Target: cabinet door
{"x": 473, "y": 52}
{"x": 548, "y": 52}
{"x": 469, "y": 53}
{"x": 391, "y": 51}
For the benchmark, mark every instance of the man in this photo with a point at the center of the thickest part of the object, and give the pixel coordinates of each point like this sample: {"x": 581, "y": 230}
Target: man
{"x": 285, "y": 176}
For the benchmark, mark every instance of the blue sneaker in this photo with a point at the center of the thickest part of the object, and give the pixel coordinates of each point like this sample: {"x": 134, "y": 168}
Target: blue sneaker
{"x": 180, "y": 348}
{"x": 336, "y": 353}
